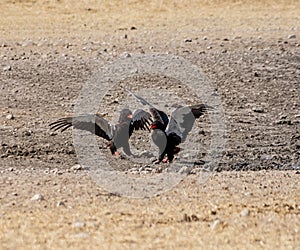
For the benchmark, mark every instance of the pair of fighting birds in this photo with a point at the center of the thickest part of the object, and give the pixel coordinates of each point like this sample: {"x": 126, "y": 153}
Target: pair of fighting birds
{"x": 167, "y": 133}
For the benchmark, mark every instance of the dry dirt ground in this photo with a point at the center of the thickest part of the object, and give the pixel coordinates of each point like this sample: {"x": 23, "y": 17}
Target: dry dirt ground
{"x": 249, "y": 51}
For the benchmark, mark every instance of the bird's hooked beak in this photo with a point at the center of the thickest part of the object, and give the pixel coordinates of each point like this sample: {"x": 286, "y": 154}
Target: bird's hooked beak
{"x": 152, "y": 126}
{"x": 130, "y": 116}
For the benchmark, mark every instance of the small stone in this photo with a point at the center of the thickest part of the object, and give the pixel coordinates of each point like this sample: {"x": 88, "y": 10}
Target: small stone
{"x": 10, "y": 117}
{"x": 28, "y": 133}
{"x": 76, "y": 167}
{"x": 81, "y": 235}
{"x": 54, "y": 171}
{"x": 266, "y": 157}
{"x": 205, "y": 38}
{"x": 245, "y": 212}
{"x": 127, "y": 55}
{"x": 78, "y": 224}
{"x": 209, "y": 47}
{"x": 258, "y": 110}
{"x": 292, "y": 36}
{"x": 133, "y": 28}
{"x": 7, "y": 68}
{"x": 37, "y": 197}
{"x": 214, "y": 224}
{"x": 183, "y": 170}
{"x": 188, "y": 40}
{"x": 148, "y": 169}
{"x": 60, "y": 203}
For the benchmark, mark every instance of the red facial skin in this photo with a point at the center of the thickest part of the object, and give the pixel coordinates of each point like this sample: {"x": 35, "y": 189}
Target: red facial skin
{"x": 153, "y": 126}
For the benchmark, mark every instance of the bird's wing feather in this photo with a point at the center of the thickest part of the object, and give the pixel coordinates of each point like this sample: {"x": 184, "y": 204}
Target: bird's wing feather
{"x": 156, "y": 114}
{"x": 183, "y": 118}
{"x": 199, "y": 109}
{"x": 140, "y": 99}
{"x": 160, "y": 116}
{"x": 92, "y": 123}
{"x": 141, "y": 119}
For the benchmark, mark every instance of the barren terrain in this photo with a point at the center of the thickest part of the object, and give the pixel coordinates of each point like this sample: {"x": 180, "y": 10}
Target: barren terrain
{"x": 250, "y": 53}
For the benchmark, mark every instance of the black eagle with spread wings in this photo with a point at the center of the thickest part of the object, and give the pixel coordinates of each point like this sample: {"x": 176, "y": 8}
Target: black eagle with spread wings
{"x": 167, "y": 133}
{"x": 117, "y": 134}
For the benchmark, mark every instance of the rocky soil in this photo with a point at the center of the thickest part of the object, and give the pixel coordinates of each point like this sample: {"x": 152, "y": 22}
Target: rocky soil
{"x": 249, "y": 52}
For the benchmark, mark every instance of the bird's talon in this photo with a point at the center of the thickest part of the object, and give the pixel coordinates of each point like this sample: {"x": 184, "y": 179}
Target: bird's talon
{"x": 165, "y": 160}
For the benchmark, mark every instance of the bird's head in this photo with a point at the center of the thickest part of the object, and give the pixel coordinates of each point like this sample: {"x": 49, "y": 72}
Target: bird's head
{"x": 157, "y": 125}
{"x": 125, "y": 115}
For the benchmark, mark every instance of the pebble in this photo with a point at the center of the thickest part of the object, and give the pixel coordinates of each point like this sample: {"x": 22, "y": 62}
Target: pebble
{"x": 78, "y": 224}
{"x": 183, "y": 170}
{"x": 60, "y": 203}
{"x": 214, "y": 224}
{"x": 10, "y": 117}
{"x": 292, "y": 36}
{"x": 81, "y": 235}
{"x": 27, "y": 43}
{"x": 266, "y": 157}
{"x": 148, "y": 169}
{"x": 7, "y": 68}
{"x": 76, "y": 167}
{"x": 188, "y": 40}
{"x": 258, "y": 110}
{"x": 126, "y": 55}
{"x": 55, "y": 171}
{"x": 28, "y": 133}
{"x": 245, "y": 212}
{"x": 37, "y": 197}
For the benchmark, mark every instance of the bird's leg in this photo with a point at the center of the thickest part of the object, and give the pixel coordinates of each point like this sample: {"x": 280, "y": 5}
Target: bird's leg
{"x": 161, "y": 157}
{"x": 113, "y": 148}
{"x": 165, "y": 160}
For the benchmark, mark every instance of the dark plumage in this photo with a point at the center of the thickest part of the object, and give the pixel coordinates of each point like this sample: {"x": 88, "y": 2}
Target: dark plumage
{"x": 167, "y": 133}
{"x": 117, "y": 135}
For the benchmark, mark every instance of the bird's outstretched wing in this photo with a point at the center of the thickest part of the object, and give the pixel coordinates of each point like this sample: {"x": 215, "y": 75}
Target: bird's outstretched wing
{"x": 157, "y": 115}
{"x": 199, "y": 109}
{"x": 141, "y": 119}
{"x": 92, "y": 123}
{"x": 140, "y": 99}
{"x": 183, "y": 118}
